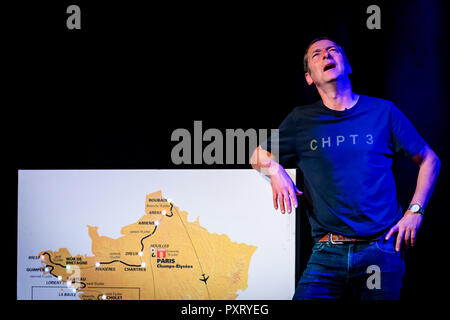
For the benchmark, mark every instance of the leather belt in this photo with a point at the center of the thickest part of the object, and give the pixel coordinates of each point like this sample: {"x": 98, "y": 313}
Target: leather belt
{"x": 339, "y": 239}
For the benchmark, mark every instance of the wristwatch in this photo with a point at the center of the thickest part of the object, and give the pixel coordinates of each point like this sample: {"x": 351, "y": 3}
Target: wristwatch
{"x": 416, "y": 208}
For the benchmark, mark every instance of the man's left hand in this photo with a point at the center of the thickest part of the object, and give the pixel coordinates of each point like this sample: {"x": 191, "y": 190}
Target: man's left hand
{"x": 407, "y": 228}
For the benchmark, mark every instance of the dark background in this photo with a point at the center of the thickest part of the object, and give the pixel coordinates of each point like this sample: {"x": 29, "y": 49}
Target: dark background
{"x": 110, "y": 95}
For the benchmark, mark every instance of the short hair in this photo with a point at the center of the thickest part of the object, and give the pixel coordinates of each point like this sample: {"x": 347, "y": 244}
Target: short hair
{"x": 305, "y": 56}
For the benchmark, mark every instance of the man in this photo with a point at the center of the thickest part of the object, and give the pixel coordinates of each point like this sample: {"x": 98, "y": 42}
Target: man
{"x": 344, "y": 145}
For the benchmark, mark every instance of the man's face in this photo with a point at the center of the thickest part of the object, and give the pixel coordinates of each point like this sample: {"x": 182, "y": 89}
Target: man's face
{"x": 326, "y": 63}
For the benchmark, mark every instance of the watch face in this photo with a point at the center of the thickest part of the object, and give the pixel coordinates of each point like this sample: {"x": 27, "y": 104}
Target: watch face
{"x": 415, "y": 208}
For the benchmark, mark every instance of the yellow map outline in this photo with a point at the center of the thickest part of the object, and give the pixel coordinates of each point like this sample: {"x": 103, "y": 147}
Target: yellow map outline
{"x": 161, "y": 256}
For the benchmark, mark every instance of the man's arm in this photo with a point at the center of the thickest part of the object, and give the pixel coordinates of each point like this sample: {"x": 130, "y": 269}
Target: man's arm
{"x": 428, "y": 173}
{"x": 283, "y": 188}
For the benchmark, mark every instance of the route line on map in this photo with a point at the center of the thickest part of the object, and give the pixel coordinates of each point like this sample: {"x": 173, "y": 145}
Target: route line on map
{"x": 195, "y": 251}
{"x": 58, "y": 264}
{"x": 142, "y": 243}
{"x": 171, "y": 206}
{"x": 122, "y": 262}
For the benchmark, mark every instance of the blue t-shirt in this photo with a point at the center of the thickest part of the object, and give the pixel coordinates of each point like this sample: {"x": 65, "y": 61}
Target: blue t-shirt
{"x": 346, "y": 159}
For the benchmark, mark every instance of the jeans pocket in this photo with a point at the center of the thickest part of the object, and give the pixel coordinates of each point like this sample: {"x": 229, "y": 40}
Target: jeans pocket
{"x": 319, "y": 246}
{"x": 386, "y": 246}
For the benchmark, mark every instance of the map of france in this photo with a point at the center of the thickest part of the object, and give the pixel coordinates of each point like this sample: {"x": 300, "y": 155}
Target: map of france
{"x": 161, "y": 256}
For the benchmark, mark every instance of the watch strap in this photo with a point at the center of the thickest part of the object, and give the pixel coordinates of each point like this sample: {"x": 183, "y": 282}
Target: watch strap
{"x": 421, "y": 209}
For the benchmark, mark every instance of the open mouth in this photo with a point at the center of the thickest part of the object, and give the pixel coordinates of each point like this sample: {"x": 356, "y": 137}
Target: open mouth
{"x": 329, "y": 66}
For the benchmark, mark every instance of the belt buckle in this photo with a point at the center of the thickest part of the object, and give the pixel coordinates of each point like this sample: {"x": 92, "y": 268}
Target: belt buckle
{"x": 334, "y": 242}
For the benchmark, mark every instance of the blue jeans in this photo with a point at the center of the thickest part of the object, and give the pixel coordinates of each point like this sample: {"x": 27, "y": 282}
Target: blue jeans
{"x": 363, "y": 271}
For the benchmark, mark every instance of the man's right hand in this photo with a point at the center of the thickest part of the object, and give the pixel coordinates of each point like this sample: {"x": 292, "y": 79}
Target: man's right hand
{"x": 283, "y": 190}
